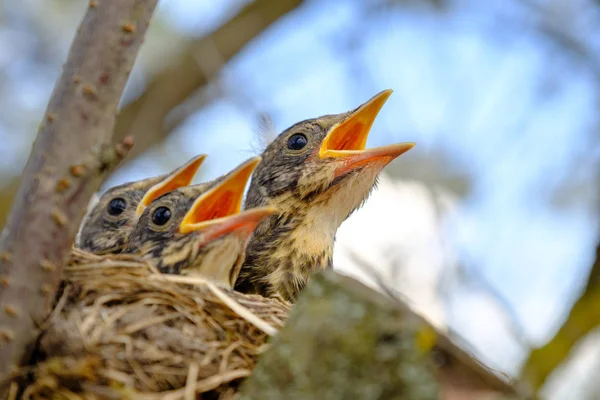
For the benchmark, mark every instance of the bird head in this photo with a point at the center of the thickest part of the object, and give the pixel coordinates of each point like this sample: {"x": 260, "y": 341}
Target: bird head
{"x": 109, "y": 223}
{"x": 200, "y": 229}
{"x": 316, "y": 173}
{"x": 324, "y": 161}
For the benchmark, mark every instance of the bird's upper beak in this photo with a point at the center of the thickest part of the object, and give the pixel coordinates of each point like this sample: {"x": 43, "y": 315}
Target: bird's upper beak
{"x": 180, "y": 177}
{"x": 222, "y": 200}
{"x": 346, "y": 140}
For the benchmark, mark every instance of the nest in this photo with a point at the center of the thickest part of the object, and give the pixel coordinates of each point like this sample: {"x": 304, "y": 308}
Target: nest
{"x": 120, "y": 329}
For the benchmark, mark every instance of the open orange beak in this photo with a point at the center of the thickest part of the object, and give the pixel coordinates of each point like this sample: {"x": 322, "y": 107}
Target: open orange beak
{"x": 346, "y": 141}
{"x": 222, "y": 200}
{"x": 180, "y": 177}
{"x": 242, "y": 224}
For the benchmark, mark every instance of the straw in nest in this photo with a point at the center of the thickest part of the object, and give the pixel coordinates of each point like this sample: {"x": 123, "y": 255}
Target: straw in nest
{"x": 120, "y": 329}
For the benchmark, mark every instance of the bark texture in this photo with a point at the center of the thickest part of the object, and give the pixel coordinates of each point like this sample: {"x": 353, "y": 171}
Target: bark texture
{"x": 70, "y": 156}
{"x": 346, "y": 341}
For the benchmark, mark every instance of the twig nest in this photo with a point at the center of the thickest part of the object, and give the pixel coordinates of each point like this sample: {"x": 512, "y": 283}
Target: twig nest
{"x": 120, "y": 329}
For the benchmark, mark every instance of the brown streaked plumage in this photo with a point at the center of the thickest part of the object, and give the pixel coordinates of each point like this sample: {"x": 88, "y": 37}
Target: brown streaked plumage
{"x": 316, "y": 173}
{"x": 199, "y": 229}
{"x": 107, "y": 226}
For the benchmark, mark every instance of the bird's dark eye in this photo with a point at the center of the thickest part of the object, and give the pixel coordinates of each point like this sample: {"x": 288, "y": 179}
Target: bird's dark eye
{"x": 297, "y": 141}
{"x": 116, "y": 206}
{"x": 161, "y": 215}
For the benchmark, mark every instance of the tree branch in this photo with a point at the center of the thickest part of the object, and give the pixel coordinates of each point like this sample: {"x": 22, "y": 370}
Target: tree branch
{"x": 67, "y": 163}
{"x": 344, "y": 340}
{"x": 583, "y": 318}
{"x": 202, "y": 59}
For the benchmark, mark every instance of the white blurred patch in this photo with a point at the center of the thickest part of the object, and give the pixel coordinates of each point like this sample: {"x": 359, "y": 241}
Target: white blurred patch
{"x": 577, "y": 376}
{"x": 398, "y": 233}
{"x": 483, "y": 323}
{"x": 399, "y": 236}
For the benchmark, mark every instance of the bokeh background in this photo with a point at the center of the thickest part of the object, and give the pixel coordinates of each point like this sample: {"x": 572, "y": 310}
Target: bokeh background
{"x": 488, "y": 227}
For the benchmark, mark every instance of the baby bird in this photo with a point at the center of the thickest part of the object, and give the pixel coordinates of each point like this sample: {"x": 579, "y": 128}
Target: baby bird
{"x": 199, "y": 229}
{"x": 107, "y": 226}
{"x": 316, "y": 173}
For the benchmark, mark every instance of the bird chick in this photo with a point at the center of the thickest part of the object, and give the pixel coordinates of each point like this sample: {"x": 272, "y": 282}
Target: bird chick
{"x": 108, "y": 224}
{"x": 199, "y": 230}
{"x": 316, "y": 173}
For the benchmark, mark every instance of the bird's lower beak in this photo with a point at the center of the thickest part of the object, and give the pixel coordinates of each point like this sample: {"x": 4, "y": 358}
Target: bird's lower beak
{"x": 222, "y": 200}
{"x": 241, "y": 224}
{"x": 346, "y": 141}
{"x": 378, "y": 155}
{"x": 180, "y": 177}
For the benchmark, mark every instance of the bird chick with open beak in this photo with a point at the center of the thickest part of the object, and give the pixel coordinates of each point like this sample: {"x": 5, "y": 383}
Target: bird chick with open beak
{"x": 199, "y": 230}
{"x": 316, "y": 173}
{"x": 107, "y": 226}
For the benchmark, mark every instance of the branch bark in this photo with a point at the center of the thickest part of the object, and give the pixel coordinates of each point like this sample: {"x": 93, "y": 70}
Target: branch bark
{"x": 145, "y": 116}
{"x": 67, "y": 162}
{"x": 345, "y": 341}
{"x": 583, "y": 318}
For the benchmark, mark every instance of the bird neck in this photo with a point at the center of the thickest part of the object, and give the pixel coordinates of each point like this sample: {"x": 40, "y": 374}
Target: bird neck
{"x": 286, "y": 249}
{"x": 220, "y": 261}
